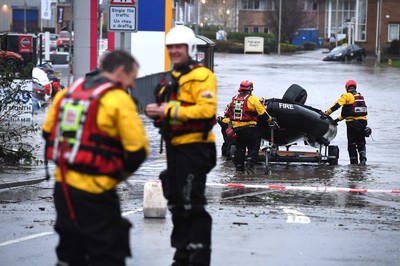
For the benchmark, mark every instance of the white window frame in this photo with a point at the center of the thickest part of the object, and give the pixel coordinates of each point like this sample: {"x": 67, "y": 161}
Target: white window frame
{"x": 358, "y": 25}
{"x": 394, "y": 25}
{"x": 345, "y": 12}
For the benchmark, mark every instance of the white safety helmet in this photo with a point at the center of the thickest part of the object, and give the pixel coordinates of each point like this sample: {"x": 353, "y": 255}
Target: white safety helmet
{"x": 182, "y": 35}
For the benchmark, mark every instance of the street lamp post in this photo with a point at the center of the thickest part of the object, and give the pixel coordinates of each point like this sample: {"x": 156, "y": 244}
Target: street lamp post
{"x": 337, "y": 22}
{"x": 25, "y": 30}
{"x": 379, "y": 32}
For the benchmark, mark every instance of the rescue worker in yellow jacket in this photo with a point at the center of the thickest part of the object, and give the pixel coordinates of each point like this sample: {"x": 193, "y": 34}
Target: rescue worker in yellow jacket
{"x": 185, "y": 110}
{"x": 94, "y": 135}
{"x": 248, "y": 116}
{"x": 354, "y": 111}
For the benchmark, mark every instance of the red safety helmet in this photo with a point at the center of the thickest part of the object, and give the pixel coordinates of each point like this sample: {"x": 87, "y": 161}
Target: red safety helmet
{"x": 350, "y": 83}
{"x": 246, "y": 85}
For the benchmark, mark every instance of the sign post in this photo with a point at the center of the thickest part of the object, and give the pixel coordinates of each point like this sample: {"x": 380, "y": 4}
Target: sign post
{"x": 122, "y": 17}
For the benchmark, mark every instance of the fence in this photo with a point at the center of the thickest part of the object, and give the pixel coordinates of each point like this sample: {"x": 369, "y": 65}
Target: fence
{"x": 144, "y": 89}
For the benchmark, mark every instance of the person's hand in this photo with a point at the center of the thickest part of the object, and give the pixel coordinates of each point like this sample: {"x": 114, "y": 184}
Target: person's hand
{"x": 336, "y": 121}
{"x": 231, "y": 133}
{"x": 155, "y": 110}
{"x": 219, "y": 120}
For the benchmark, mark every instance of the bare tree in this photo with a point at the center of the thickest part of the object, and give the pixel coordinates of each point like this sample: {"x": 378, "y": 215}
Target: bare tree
{"x": 219, "y": 13}
{"x": 292, "y": 18}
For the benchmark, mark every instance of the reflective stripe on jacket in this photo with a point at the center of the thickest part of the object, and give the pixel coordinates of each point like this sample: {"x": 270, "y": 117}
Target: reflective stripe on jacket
{"x": 118, "y": 117}
{"x": 252, "y": 108}
{"x": 87, "y": 149}
{"x": 346, "y": 99}
{"x": 193, "y": 106}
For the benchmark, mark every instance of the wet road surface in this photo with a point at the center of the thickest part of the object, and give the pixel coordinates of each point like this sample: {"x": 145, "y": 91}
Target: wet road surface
{"x": 257, "y": 226}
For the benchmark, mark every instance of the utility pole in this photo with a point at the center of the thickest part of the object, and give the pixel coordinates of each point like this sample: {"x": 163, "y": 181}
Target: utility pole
{"x": 25, "y": 29}
{"x": 379, "y": 23}
{"x": 196, "y": 25}
{"x": 279, "y": 27}
{"x": 337, "y": 22}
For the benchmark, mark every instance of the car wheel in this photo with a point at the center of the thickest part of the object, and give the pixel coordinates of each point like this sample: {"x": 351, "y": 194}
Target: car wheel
{"x": 11, "y": 63}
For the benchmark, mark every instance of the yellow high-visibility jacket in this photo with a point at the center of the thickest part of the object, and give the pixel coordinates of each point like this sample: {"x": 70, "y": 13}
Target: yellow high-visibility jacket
{"x": 198, "y": 89}
{"x": 345, "y": 99}
{"x": 118, "y": 116}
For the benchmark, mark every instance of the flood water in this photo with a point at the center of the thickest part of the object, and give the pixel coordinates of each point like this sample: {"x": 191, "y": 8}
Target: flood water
{"x": 337, "y": 219}
{"x": 324, "y": 83}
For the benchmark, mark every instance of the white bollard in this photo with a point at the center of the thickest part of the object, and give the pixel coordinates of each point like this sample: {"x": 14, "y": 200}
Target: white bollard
{"x": 154, "y": 203}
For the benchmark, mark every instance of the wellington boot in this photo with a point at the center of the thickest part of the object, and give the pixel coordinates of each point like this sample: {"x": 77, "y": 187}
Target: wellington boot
{"x": 354, "y": 160}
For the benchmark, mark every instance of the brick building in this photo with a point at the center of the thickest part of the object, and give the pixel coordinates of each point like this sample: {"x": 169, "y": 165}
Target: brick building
{"x": 355, "y": 19}
{"x": 360, "y": 20}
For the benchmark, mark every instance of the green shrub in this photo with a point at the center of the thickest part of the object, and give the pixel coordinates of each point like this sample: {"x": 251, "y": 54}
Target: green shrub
{"x": 290, "y": 48}
{"x": 269, "y": 39}
{"x": 267, "y": 49}
{"x": 209, "y": 34}
{"x": 309, "y": 46}
{"x": 229, "y": 47}
{"x": 394, "y": 47}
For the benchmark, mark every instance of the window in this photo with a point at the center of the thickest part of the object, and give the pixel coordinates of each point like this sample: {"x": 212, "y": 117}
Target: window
{"x": 361, "y": 26}
{"x": 254, "y": 4}
{"x": 255, "y": 29}
{"x": 394, "y": 32}
{"x": 351, "y": 17}
{"x": 64, "y": 2}
{"x": 310, "y": 5}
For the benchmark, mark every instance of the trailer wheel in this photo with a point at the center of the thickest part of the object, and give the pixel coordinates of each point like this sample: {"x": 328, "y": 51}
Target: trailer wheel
{"x": 333, "y": 155}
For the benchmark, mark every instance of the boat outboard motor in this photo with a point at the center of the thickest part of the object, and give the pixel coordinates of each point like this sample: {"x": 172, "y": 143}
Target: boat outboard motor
{"x": 295, "y": 94}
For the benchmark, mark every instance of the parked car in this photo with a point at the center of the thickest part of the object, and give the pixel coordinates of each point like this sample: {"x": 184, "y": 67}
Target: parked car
{"x": 11, "y": 59}
{"x": 63, "y": 40}
{"x": 346, "y": 53}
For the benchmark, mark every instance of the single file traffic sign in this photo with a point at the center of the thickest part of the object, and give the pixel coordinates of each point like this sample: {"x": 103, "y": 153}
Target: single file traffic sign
{"x": 122, "y": 16}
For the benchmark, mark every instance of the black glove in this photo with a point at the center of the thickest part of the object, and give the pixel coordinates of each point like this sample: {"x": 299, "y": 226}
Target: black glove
{"x": 336, "y": 121}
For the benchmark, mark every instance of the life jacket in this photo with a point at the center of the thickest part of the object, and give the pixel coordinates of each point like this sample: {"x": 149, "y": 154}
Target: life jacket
{"x": 75, "y": 139}
{"x": 177, "y": 128}
{"x": 358, "y": 108}
{"x": 241, "y": 111}
{"x": 167, "y": 91}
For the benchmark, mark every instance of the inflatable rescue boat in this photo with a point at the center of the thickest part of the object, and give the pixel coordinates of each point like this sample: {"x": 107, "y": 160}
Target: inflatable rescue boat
{"x": 297, "y": 121}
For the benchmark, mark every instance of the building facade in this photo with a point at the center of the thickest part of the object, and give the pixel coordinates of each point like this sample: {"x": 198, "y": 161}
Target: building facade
{"x": 365, "y": 22}
{"x": 25, "y": 16}
{"x": 369, "y": 23}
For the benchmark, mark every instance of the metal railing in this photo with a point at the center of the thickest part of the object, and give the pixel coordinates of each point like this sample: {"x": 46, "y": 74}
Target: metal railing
{"x": 144, "y": 89}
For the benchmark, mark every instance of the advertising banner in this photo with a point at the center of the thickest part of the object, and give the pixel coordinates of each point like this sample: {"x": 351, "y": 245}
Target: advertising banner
{"x": 25, "y": 44}
{"x": 46, "y": 9}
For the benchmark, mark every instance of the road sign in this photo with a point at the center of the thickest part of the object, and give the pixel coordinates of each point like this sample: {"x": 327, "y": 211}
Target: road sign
{"x": 122, "y": 16}
{"x": 123, "y": 2}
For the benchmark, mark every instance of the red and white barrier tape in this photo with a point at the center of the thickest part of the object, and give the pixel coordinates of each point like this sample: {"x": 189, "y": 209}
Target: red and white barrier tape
{"x": 299, "y": 188}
